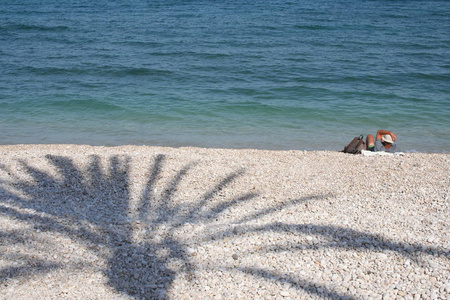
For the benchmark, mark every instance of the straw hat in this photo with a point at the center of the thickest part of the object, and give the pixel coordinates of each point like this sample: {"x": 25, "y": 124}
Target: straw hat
{"x": 387, "y": 138}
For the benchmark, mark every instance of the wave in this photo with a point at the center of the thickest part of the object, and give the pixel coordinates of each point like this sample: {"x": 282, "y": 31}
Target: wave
{"x": 83, "y": 104}
{"x": 315, "y": 27}
{"x": 47, "y": 106}
{"x": 269, "y": 109}
{"x": 441, "y": 77}
{"x": 114, "y": 71}
{"x": 140, "y": 44}
{"x": 42, "y": 71}
{"x": 187, "y": 54}
{"x": 33, "y": 27}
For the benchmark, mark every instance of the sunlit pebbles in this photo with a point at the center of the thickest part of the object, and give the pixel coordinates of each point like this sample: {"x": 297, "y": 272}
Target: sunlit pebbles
{"x": 193, "y": 223}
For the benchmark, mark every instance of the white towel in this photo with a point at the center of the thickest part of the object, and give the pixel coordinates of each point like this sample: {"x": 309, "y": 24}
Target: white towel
{"x": 380, "y": 153}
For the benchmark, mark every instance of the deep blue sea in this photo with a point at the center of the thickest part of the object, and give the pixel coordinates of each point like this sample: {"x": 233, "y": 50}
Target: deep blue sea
{"x": 266, "y": 74}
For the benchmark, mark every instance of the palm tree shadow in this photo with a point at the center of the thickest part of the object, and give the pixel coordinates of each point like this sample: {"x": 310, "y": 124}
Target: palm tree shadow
{"x": 93, "y": 207}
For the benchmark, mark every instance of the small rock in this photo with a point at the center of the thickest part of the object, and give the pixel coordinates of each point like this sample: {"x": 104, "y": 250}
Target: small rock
{"x": 235, "y": 256}
{"x": 434, "y": 294}
{"x": 284, "y": 293}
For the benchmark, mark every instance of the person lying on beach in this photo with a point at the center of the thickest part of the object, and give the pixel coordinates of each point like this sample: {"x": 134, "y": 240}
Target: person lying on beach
{"x": 385, "y": 141}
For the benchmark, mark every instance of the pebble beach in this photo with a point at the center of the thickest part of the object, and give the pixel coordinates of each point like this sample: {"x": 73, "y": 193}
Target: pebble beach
{"x": 138, "y": 222}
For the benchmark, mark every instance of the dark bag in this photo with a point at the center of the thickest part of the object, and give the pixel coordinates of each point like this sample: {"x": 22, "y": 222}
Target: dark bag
{"x": 356, "y": 145}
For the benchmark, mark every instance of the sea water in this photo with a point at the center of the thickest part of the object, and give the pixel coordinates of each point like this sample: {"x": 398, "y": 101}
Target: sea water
{"x": 265, "y": 74}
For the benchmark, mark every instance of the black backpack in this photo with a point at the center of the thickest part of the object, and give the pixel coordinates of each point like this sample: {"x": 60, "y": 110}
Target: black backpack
{"x": 356, "y": 145}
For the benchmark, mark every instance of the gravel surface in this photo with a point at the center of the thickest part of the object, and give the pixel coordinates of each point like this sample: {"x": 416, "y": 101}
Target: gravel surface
{"x": 132, "y": 222}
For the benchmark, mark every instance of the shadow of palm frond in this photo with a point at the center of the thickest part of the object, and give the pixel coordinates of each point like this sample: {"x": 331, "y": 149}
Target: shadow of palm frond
{"x": 23, "y": 270}
{"x": 38, "y": 267}
{"x": 312, "y": 288}
{"x": 338, "y": 237}
{"x": 347, "y": 238}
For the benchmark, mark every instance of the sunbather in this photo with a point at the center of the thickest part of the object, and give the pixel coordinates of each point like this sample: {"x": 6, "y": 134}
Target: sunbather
{"x": 385, "y": 141}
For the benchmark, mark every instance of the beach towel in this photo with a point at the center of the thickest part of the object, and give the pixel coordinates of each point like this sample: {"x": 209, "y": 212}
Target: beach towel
{"x": 380, "y": 153}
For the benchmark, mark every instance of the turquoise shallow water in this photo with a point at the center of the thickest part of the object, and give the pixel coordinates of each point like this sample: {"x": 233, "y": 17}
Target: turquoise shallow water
{"x": 266, "y": 74}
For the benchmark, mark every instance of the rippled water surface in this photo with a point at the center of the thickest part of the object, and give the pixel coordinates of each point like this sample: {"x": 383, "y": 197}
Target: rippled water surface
{"x": 264, "y": 74}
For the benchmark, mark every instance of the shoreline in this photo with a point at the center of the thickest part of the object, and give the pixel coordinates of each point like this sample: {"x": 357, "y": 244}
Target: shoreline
{"x": 51, "y": 145}
{"x": 120, "y": 222}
